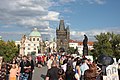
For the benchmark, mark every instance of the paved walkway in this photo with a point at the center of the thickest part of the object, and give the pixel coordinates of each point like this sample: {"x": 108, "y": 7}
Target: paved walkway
{"x": 39, "y": 73}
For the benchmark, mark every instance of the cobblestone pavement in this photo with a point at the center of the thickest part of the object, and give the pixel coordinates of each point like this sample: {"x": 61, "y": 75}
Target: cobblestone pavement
{"x": 39, "y": 73}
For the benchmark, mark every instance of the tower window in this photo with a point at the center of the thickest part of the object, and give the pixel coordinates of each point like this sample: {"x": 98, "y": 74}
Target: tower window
{"x": 34, "y": 48}
{"x": 37, "y": 39}
{"x": 28, "y": 44}
{"x": 28, "y": 48}
{"x": 33, "y": 39}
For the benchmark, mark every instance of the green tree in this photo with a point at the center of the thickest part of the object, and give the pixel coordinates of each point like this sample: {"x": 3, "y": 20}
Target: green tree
{"x": 107, "y": 43}
{"x": 2, "y": 47}
{"x": 115, "y": 42}
{"x": 76, "y": 51}
{"x": 71, "y": 50}
{"x": 8, "y": 50}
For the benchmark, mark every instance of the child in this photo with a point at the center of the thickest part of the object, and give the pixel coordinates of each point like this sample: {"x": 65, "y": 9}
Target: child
{"x": 13, "y": 72}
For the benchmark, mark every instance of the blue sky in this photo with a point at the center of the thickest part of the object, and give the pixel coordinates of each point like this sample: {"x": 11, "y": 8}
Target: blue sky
{"x": 90, "y": 17}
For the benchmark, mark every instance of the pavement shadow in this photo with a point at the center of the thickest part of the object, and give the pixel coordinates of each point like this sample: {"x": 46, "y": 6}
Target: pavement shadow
{"x": 43, "y": 76}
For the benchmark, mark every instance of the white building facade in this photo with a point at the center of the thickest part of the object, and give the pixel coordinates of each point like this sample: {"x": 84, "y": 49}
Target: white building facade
{"x": 30, "y": 44}
{"x": 79, "y": 45}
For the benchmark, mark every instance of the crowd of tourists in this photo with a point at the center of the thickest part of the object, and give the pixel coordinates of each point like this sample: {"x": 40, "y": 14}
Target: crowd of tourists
{"x": 60, "y": 67}
{"x": 67, "y": 67}
{"x": 20, "y": 68}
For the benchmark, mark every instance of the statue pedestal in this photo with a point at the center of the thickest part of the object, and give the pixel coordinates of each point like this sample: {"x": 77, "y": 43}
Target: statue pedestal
{"x": 85, "y": 51}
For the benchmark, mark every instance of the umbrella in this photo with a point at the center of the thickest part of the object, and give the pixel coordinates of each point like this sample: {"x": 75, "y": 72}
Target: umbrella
{"x": 105, "y": 60}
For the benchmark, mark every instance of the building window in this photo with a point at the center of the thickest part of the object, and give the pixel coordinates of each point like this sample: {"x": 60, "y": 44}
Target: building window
{"x": 37, "y": 39}
{"x": 34, "y": 44}
{"x": 28, "y": 48}
{"x": 30, "y": 39}
{"x": 34, "y": 48}
{"x": 28, "y": 44}
{"x": 33, "y": 39}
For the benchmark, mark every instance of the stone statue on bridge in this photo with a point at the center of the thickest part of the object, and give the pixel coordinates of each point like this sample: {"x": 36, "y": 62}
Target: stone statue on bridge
{"x": 85, "y": 46}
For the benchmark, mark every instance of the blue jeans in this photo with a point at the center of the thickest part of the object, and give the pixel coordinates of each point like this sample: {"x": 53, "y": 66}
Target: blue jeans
{"x": 24, "y": 76}
{"x": 7, "y": 77}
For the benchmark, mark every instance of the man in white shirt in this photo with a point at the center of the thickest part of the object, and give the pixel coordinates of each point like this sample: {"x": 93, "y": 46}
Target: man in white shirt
{"x": 64, "y": 65}
{"x": 50, "y": 61}
{"x": 83, "y": 67}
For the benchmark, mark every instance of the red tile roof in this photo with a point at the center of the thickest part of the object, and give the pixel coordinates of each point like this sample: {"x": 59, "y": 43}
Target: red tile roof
{"x": 90, "y": 43}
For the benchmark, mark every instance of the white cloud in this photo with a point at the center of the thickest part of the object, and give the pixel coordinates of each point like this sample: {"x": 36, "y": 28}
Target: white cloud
{"x": 67, "y": 24}
{"x": 7, "y": 26}
{"x": 67, "y": 10}
{"x": 51, "y": 16}
{"x": 27, "y": 13}
{"x": 16, "y": 35}
{"x": 90, "y": 1}
{"x": 95, "y": 1}
{"x": 61, "y": 2}
{"x": 100, "y": 1}
{"x": 34, "y": 23}
{"x": 67, "y": 1}
{"x": 24, "y": 15}
{"x": 78, "y": 35}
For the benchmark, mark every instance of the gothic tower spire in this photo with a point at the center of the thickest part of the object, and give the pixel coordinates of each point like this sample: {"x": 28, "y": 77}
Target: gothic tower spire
{"x": 61, "y": 25}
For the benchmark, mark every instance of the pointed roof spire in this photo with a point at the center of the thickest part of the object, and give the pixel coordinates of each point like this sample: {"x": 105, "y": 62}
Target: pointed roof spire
{"x": 67, "y": 28}
{"x": 61, "y": 25}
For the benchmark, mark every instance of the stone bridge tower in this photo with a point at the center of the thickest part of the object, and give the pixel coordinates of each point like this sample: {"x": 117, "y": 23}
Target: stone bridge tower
{"x": 62, "y": 36}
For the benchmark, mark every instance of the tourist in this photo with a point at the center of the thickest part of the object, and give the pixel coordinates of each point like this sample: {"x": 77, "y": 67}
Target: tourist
{"x": 8, "y": 66}
{"x": 91, "y": 73}
{"x": 14, "y": 61}
{"x": 70, "y": 60}
{"x": 119, "y": 68}
{"x": 13, "y": 72}
{"x": 2, "y": 71}
{"x": 42, "y": 60}
{"x": 64, "y": 65}
{"x": 56, "y": 58}
{"x": 70, "y": 74}
{"x": 74, "y": 62}
{"x": 39, "y": 61}
{"x": 32, "y": 67}
{"x": 83, "y": 67}
{"x": 77, "y": 70}
{"x": 61, "y": 60}
{"x": 24, "y": 68}
{"x": 52, "y": 73}
{"x": 45, "y": 59}
{"x": 50, "y": 61}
